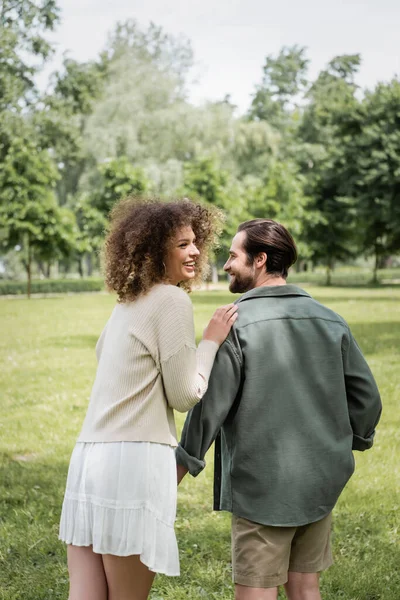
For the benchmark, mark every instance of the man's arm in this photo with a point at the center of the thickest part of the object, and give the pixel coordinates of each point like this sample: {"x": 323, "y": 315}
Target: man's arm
{"x": 363, "y": 397}
{"x": 206, "y": 418}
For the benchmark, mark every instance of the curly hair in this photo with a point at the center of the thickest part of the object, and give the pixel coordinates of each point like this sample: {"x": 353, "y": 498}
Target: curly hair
{"x": 139, "y": 235}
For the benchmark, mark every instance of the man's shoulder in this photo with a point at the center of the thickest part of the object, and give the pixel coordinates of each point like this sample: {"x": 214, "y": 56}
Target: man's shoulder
{"x": 322, "y": 310}
{"x": 302, "y": 307}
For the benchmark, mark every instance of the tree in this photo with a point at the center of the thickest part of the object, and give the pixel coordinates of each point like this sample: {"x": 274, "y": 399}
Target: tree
{"x": 23, "y": 24}
{"x": 168, "y": 53}
{"x": 329, "y": 97}
{"x": 91, "y": 224}
{"x": 255, "y": 144}
{"x": 29, "y": 215}
{"x": 146, "y": 78}
{"x": 62, "y": 117}
{"x": 58, "y": 238}
{"x": 371, "y": 166}
{"x": 203, "y": 179}
{"x": 330, "y": 222}
{"x": 118, "y": 178}
{"x": 329, "y": 227}
{"x": 284, "y": 79}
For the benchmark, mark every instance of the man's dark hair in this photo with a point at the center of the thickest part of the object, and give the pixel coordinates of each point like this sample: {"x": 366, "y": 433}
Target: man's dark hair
{"x": 265, "y": 235}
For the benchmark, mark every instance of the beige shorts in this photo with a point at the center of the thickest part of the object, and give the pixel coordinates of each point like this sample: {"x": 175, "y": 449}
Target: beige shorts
{"x": 262, "y": 555}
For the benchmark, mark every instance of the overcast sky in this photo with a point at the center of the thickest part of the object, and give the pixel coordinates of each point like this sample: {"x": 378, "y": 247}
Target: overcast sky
{"x": 231, "y": 38}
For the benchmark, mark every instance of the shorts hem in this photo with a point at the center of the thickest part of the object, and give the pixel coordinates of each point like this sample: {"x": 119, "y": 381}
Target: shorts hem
{"x": 259, "y": 582}
{"x": 310, "y": 568}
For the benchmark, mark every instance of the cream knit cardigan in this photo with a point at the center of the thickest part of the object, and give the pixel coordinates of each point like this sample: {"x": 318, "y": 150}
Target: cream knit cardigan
{"x": 148, "y": 365}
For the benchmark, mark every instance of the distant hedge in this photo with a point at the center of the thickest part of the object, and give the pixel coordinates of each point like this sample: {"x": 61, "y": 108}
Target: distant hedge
{"x": 51, "y": 286}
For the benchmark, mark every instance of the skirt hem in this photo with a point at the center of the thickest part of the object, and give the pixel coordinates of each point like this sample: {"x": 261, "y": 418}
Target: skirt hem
{"x": 159, "y": 571}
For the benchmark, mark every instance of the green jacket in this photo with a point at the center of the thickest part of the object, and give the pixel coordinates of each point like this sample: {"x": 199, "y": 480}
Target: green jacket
{"x": 290, "y": 396}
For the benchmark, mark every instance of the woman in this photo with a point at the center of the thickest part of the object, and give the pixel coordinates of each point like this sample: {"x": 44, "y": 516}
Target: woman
{"x": 120, "y": 501}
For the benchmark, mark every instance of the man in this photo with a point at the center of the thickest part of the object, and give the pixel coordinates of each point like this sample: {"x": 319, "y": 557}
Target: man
{"x": 291, "y": 396}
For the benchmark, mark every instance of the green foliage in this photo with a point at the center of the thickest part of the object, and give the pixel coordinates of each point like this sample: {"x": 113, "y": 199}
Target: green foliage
{"x": 319, "y": 156}
{"x": 30, "y": 218}
{"x": 23, "y": 25}
{"x": 153, "y": 45}
{"x": 91, "y": 223}
{"x": 204, "y": 179}
{"x": 27, "y": 176}
{"x": 345, "y": 66}
{"x": 372, "y": 168}
{"x": 79, "y": 85}
{"x": 284, "y": 78}
{"x": 255, "y": 143}
{"x": 143, "y": 98}
{"x": 330, "y": 97}
{"x": 118, "y": 179}
{"x": 279, "y": 195}
{"x": 62, "y": 118}
{"x": 331, "y": 219}
{"x": 52, "y": 286}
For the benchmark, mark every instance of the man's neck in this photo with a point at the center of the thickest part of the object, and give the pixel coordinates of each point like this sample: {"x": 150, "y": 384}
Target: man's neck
{"x": 268, "y": 280}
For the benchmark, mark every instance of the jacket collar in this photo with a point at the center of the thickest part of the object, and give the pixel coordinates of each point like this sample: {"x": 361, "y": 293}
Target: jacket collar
{"x": 273, "y": 291}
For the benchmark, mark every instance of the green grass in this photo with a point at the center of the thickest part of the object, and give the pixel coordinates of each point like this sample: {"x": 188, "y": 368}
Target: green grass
{"x": 48, "y": 365}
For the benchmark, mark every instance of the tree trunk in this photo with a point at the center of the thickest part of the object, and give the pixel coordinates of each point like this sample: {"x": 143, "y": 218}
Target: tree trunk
{"x": 80, "y": 267}
{"x": 29, "y": 267}
{"x": 376, "y": 265}
{"x": 41, "y": 268}
{"x": 89, "y": 264}
{"x": 329, "y": 273}
{"x": 214, "y": 273}
{"x": 48, "y": 270}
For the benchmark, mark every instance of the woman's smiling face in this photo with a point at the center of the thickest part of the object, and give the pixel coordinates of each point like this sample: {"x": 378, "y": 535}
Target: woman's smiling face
{"x": 180, "y": 262}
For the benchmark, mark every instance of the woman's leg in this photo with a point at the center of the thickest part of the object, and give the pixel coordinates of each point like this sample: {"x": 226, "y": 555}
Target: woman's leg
{"x": 127, "y": 577}
{"x": 87, "y": 580}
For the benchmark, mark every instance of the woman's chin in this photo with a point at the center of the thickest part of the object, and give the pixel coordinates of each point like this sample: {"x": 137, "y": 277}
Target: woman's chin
{"x": 188, "y": 277}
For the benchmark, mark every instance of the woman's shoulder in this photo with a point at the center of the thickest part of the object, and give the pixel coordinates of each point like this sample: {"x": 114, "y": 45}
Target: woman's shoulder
{"x": 158, "y": 298}
{"x": 164, "y": 292}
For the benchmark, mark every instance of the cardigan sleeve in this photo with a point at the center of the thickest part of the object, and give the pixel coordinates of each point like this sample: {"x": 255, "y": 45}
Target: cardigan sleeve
{"x": 185, "y": 369}
{"x": 186, "y": 373}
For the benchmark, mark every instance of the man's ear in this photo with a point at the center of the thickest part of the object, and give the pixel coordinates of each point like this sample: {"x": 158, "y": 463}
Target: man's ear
{"x": 261, "y": 260}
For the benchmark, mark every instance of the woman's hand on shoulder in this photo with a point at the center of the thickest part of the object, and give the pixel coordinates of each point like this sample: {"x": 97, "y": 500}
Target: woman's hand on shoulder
{"x": 221, "y": 323}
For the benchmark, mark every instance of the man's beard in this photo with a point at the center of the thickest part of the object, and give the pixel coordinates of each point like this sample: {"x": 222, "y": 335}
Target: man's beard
{"x": 241, "y": 283}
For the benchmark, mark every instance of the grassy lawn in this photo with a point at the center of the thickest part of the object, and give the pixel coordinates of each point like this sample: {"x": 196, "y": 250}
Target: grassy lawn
{"x": 48, "y": 365}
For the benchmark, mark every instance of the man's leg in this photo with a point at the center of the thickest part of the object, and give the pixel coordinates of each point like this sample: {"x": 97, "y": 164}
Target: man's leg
{"x": 260, "y": 558}
{"x": 303, "y": 586}
{"x": 243, "y": 592}
{"x": 310, "y": 554}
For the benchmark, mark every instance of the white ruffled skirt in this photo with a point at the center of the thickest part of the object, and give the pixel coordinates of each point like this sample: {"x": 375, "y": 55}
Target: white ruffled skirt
{"x": 120, "y": 498}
